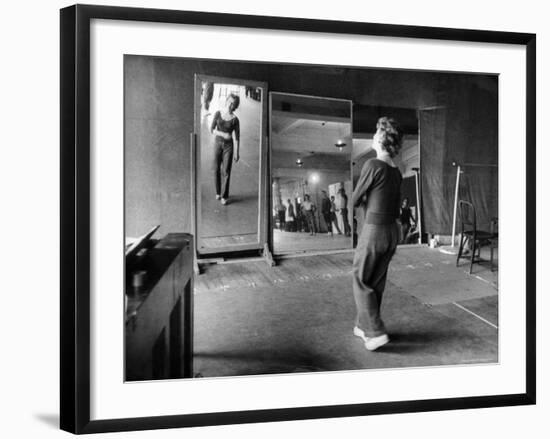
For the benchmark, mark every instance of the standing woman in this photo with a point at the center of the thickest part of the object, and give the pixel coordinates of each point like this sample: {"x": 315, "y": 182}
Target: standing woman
{"x": 378, "y": 193}
{"x": 226, "y": 129}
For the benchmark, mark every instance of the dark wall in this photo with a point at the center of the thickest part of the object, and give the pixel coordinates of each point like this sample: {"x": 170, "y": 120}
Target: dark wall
{"x": 159, "y": 119}
{"x": 467, "y": 128}
{"x": 475, "y": 141}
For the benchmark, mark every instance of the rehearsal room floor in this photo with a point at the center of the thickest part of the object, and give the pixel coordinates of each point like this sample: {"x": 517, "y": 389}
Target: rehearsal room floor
{"x": 253, "y": 319}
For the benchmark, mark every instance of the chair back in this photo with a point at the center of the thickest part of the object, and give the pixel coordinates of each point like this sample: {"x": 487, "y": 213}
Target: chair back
{"x": 494, "y": 226}
{"x": 467, "y": 215}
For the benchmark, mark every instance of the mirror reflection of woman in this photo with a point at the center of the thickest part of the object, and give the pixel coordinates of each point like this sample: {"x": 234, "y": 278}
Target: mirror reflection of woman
{"x": 378, "y": 192}
{"x": 226, "y": 130}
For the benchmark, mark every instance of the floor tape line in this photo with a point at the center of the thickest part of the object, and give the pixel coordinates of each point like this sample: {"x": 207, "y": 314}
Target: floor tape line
{"x": 474, "y": 314}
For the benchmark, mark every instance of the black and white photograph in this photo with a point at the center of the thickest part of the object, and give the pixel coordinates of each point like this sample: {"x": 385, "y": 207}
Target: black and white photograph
{"x": 288, "y": 218}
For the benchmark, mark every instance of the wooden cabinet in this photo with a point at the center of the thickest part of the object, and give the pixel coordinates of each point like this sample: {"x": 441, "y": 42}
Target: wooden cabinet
{"x": 159, "y": 313}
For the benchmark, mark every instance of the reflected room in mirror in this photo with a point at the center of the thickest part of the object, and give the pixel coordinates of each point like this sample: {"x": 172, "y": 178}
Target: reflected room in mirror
{"x": 311, "y": 143}
{"x": 229, "y": 124}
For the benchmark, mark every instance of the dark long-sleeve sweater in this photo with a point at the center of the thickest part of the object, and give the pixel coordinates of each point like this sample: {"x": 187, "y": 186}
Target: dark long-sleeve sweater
{"x": 378, "y": 191}
{"x": 226, "y": 126}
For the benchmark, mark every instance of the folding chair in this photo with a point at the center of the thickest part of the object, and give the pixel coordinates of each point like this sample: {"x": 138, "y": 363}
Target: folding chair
{"x": 472, "y": 236}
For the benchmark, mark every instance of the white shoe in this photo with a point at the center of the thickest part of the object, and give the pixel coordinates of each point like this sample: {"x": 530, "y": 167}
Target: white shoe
{"x": 224, "y": 201}
{"x": 359, "y": 333}
{"x": 218, "y": 197}
{"x": 373, "y": 343}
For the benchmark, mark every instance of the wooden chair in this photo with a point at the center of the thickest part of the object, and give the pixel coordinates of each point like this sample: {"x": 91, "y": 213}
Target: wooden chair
{"x": 493, "y": 242}
{"x": 471, "y": 235}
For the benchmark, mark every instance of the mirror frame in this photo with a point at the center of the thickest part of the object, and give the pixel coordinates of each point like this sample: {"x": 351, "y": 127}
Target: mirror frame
{"x": 195, "y": 174}
{"x": 270, "y": 175}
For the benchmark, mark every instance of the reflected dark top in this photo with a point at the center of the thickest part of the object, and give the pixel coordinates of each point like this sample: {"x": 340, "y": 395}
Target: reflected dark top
{"x": 405, "y": 215}
{"x": 226, "y": 126}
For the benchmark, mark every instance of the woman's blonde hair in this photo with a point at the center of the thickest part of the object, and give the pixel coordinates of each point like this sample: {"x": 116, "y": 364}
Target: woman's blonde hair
{"x": 390, "y": 135}
{"x": 236, "y": 99}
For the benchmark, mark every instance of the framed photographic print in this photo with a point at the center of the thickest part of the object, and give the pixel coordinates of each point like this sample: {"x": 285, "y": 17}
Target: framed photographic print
{"x": 268, "y": 218}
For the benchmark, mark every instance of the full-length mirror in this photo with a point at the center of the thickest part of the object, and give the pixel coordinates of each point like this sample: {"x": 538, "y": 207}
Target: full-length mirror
{"x": 311, "y": 144}
{"x": 229, "y": 125}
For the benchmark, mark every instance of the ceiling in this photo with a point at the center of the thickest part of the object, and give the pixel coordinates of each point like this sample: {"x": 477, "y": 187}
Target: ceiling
{"x": 308, "y": 128}
{"x": 307, "y": 125}
{"x": 301, "y": 135}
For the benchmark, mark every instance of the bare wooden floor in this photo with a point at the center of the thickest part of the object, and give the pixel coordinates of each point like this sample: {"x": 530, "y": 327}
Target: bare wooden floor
{"x": 258, "y": 274}
{"x": 254, "y": 319}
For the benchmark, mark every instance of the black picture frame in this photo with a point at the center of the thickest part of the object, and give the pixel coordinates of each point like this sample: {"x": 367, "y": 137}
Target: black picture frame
{"x": 75, "y": 217}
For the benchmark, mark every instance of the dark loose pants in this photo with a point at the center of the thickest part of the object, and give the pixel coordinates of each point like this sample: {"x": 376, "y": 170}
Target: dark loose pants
{"x": 221, "y": 166}
{"x": 375, "y": 248}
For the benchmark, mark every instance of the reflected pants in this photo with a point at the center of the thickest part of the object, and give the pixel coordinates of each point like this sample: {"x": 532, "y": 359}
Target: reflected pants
{"x": 347, "y": 228}
{"x": 404, "y": 232}
{"x": 310, "y": 218}
{"x": 375, "y": 249}
{"x": 221, "y": 166}
{"x": 328, "y": 221}
{"x": 334, "y": 220}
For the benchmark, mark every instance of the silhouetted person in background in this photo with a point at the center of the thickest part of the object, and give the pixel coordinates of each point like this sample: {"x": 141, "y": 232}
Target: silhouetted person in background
{"x": 342, "y": 206}
{"x": 325, "y": 211}
{"x": 308, "y": 209}
{"x": 289, "y": 216}
{"x": 333, "y": 218}
{"x": 281, "y": 215}
{"x": 405, "y": 220}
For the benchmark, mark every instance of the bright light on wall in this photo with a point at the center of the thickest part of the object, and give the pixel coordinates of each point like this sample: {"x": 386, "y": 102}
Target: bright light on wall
{"x": 315, "y": 178}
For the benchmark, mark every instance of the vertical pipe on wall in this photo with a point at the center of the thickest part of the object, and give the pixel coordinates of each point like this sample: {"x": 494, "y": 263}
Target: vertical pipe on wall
{"x": 193, "y": 148}
{"x": 455, "y": 205}
{"x": 417, "y": 178}
{"x": 418, "y": 214}
{"x": 351, "y": 209}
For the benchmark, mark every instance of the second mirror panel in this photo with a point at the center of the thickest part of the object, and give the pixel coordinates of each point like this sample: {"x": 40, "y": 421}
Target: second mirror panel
{"x": 311, "y": 143}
